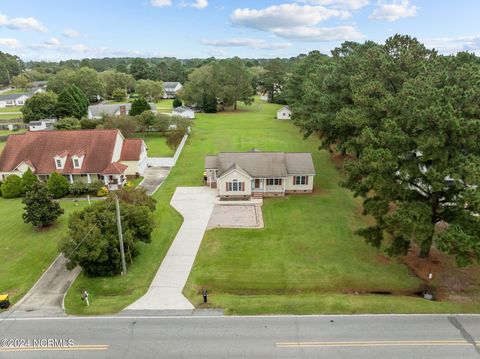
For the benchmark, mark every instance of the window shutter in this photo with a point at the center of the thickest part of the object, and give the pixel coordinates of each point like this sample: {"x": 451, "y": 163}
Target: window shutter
{"x": 226, "y": 186}
{"x": 294, "y": 180}
{"x": 306, "y": 179}
{"x": 243, "y": 186}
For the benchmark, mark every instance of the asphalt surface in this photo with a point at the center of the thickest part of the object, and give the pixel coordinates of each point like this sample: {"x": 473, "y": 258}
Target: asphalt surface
{"x": 153, "y": 177}
{"x": 368, "y": 337}
{"x": 46, "y": 296}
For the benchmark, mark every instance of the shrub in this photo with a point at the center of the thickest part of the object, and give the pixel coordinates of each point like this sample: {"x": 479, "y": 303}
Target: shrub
{"x": 119, "y": 95}
{"x": 28, "y": 181}
{"x": 12, "y": 187}
{"x": 102, "y": 192}
{"x": 40, "y": 209}
{"x": 79, "y": 188}
{"x": 139, "y": 105}
{"x": 58, "y": 185}
{"x": 94, "y": 187}
{"x": 177, "y": 102}
{"x": 87, "y": 124}
{"x": 1, "y": 188}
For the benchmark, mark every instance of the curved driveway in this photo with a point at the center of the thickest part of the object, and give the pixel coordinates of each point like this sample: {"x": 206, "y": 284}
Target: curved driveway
{"x": 195, "y": 204}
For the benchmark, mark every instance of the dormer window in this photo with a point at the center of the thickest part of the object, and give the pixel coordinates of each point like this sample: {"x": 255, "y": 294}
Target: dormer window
{"x": 58, "y": 163}
{"x": 76, "y": 163}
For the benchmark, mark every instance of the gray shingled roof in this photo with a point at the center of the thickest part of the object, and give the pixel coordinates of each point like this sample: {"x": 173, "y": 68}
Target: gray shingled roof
{"x": 170, "y": 85}
{"x": 13, "y": 96}
{"x": 263, "y": 164}
{"x": 111, "y": 109}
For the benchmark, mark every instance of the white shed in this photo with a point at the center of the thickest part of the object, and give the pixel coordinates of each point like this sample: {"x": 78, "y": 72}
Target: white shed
{"x": 284, "y": 113}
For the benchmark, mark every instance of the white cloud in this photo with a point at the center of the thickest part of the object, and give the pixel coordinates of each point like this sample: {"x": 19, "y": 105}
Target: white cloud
{"x": 451, "y": 45}
{"x": 160, "y": 3}
{"x": 53, "y": 41}
{"x": 10, "y": 43}
{"x": 393, "y": 10}
{"x": 297, "y": 22}
{"x": 200, "y": 4}
{"x": 257, "y": 44}
{"x": 314, "y": 34}
{"x": 284, "y": 16}
{"x": 339, "y": 4}
{"x": 197, "y": 4}
{"x": 22, "y": 23}
{"x": 71, "y": 33}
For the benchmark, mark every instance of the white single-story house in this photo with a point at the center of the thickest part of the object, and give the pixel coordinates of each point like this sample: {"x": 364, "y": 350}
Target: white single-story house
{"x": 42, "y": 125}
{"x": 98, "y": 111}
{"x": 284, "y": 113}
{"x": 81, "y": 156}
{"x": 183, "y": 111}
{"x": 170, "y": 89}
{"x": 17, "y": 99}
{"x": 259, "y": 174}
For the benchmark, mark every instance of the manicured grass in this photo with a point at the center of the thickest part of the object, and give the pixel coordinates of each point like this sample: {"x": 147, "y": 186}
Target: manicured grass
{"x": 24, "y": 252}
{"x": 10, "y": 109}
{"x": 7, "y": 132}
{"x": 137, "y": 181}
{"x": 8, "y": 117}
{"x": 156, "y": 143}
{"x": 165, "y": 104}
{"x": 306, "y": 260}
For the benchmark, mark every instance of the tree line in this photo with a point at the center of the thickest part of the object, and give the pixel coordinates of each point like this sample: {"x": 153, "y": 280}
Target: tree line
{"x": 407, "y": 121}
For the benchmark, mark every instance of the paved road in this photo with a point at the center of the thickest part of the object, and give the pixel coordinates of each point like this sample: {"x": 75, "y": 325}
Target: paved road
{"x": 153, "y": 178}
{"x": 364, "y": 337}
{"x": 195, "y": 204}
{"x": 46, "y": 296}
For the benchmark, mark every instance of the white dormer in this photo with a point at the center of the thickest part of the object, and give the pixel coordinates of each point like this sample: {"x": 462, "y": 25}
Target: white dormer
{"x": 60, "y": 160}
{"x": 77, "y": 159}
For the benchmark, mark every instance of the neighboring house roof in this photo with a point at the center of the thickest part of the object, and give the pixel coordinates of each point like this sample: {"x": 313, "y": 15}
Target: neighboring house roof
{"x": 170, "y": 85}
{"x": 114, "y": 169}
{"x": 13, "y": 96}
{"x": 181, "y": 109}
{"x": 112, "y": 109}
{"x": 284, "y": 108}
{"x": 40, "y": 147}
{"x": 132, "y": 149}
{"x": 262, "y": 164}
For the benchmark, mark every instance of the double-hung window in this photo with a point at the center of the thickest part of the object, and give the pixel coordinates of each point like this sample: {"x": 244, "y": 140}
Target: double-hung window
{"x": 300, "y": 180}
{"x": 235, "y": 186}
{"x": 274, "y": 181}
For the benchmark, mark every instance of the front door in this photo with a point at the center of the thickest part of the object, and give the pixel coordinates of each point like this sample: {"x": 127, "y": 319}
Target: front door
{"x": 257, "y": 183}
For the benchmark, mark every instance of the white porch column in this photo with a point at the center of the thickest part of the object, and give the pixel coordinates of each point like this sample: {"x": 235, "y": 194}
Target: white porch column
{"x": 71, "y": 178}
{"x": 264, "y": 185}
{"x": 105, "y": 180}
{"x": 89, "y": 180}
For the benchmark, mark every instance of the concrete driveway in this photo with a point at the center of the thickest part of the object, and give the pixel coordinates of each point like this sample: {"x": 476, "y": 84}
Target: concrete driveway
{"x": 153, "y": 178}
{"x": 46, "y": 296}
{"x": 195, "y": 204}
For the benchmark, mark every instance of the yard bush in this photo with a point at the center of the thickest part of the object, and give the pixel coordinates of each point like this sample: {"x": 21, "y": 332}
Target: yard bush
{"x": 12, "y": 187}
{"x": 28, "y": 181}
{"x": 102, "y": 192}
{"x": 139, "y": 105}
{"x": 82, "y": 188}
{"x": 177, "y": 102}
{"x": 58, "y": 185}
{"x": 87, "y": 124}
{"x": 92, "y": 240}
{"x": 40, "y": 209}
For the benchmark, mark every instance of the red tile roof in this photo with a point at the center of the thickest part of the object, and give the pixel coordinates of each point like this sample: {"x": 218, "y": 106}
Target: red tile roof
{"x": 41, "y": 147}
{"x": 114, "y": 169}
{"x": 131, "y": 150}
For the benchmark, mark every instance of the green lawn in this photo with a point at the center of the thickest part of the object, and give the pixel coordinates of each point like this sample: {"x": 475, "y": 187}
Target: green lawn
{"x": 137, "y": 181}
{"x": 306, "y": 259}
{"x": 25, "y": 253}
{"x": 2, "y": 145}
{"x": 7, "y": 132}
{"x": 10, "y": 109}
{"x": 165, "y": 104}
{"x": 156, "y": 143}
{"x": 8, "y": 117}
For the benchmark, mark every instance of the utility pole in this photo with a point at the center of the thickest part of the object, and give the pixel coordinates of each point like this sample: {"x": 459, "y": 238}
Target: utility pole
{"x": 120, "y": 236}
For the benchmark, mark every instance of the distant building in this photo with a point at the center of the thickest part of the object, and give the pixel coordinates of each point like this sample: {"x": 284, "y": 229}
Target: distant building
{"x": 81, "y": 156}
{"x": 16, "y": 99}
{"x": 98, "y": 111}
{"x": 184, "y": 112}
{"x": 42, "y": 125}
{"x": 170, "y": 89}
{"x": 284, "y": 113}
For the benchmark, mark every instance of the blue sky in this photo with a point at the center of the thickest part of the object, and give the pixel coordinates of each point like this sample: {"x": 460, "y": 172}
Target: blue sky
{"x": 63, "y": 29}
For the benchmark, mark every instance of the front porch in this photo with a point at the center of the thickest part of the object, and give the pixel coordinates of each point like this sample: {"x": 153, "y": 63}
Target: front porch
{"x": 268, "y": 187}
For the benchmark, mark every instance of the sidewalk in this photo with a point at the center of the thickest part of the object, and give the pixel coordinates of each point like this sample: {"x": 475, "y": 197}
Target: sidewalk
{"x": 195, "y": 204}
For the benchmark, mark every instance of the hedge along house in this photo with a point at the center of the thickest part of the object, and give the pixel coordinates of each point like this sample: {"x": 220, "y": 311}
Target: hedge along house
{"x": 81, "y": 156}
{"x": 259, "y": 174}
